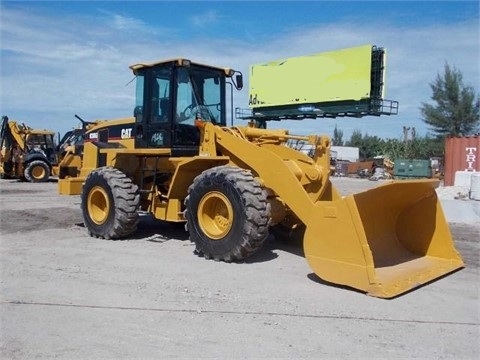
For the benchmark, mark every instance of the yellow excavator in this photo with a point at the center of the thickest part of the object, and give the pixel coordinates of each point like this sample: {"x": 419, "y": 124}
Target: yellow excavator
{"x": 177, "y": 159}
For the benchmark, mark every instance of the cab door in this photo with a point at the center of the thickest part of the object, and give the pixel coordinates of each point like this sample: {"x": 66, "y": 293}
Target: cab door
{"x": 154, "y": 117}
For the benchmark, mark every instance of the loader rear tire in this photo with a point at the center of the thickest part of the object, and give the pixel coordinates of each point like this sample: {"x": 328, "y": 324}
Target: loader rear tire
{"x": 227, "y": 214}
{"x": 110, "y": 202}
{"x": 37, "y": 171}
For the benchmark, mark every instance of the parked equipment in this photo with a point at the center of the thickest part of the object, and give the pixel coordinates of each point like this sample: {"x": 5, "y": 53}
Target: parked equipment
{"x": 411, "y": 169}
{"x": 177, "y": 160}
{"x": 26, "y": 153}
{"x": 72, "y": 144}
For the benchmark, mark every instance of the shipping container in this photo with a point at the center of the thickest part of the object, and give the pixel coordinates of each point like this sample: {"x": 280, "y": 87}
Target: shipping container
{"x": 358, "y": 166}
{"x": 461, "y": 154}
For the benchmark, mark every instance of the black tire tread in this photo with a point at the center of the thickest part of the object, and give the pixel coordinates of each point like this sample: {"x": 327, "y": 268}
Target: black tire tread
{"x": 126, "y": 201}
{"x": 255, "y": 229}
{"x": 28, "y": 171}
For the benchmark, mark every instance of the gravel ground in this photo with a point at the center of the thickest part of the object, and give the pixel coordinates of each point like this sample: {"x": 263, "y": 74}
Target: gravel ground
{"x": 65, "y": 295}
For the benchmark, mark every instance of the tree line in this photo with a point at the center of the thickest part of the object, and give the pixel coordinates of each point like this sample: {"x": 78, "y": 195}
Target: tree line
{"x": 453, "y": 111}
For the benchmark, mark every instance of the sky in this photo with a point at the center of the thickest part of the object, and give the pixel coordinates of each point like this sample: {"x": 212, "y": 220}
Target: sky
{"x": 61, "y": 58}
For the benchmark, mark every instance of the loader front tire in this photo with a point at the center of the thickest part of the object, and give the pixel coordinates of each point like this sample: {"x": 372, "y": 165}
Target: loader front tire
{"x": 227, "y": 214}
{"x": 110, "y": 202}
{"x": 37, "y": 171}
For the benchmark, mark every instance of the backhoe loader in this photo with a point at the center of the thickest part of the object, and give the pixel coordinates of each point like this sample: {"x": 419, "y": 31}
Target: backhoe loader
{"x": 26, "y": 153}
{"x": 177, "y": 159}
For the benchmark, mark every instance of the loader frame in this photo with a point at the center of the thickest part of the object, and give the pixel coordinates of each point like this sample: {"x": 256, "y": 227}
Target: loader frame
{"x": 177, "y": 160}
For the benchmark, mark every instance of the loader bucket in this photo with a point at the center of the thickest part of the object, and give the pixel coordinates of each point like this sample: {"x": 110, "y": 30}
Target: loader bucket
{"x": 384, "y": 241}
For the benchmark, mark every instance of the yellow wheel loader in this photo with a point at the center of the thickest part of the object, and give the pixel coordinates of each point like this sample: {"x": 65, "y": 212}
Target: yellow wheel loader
{"x": 177, "y": 160}
{"x": 26, "y": 153}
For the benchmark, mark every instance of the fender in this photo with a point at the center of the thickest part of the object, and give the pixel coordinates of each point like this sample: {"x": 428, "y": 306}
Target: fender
{"x": 36, "y": 155}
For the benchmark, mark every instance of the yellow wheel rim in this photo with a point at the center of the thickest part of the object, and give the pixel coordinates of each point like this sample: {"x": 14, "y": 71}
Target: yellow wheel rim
{"x": 98, "y": 205}
{"x": 215, "y": 215}
{"x": 38, "y": 172}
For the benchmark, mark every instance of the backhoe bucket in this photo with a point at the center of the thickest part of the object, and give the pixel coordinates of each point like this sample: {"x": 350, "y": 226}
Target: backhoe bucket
{"x": 384, "y": 241}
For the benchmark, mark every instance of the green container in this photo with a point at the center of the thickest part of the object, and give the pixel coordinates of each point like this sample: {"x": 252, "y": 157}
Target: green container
{"x": 405, "y": 168}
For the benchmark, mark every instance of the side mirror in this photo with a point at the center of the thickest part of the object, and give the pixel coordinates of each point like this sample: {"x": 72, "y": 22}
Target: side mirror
{"x": 239, "y": 81}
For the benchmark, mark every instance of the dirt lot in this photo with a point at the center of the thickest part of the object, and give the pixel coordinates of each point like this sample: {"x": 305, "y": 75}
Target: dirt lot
{"x": 65, "y": 295}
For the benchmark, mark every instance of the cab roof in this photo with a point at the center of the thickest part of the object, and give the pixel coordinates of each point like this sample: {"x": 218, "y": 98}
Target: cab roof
{"x": 179, "y": 62}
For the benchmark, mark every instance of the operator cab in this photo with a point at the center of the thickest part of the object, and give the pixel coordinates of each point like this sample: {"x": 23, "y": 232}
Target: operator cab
{"x": 170, "y": 96}
{"x": 43, "y": 144}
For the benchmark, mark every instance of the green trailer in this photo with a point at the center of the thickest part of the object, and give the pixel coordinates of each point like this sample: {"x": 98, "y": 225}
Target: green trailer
{"x": 409, "y": 169}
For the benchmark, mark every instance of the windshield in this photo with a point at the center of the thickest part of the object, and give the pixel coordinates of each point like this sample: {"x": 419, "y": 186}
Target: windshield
{"x": 40, "y": 141}
{"x": 74, "y": 137}
{"x": 200, "y": 95}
